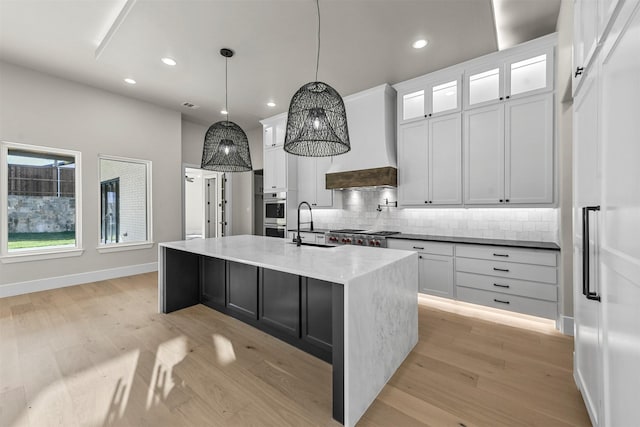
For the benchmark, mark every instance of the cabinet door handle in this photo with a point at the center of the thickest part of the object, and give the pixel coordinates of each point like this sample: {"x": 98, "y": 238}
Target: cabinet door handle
{"x": 501, "y": 302}
{"x": 501, "y": 98}
{"x": 420, "y": 256}
{"x": 578, "y": 72}
{"x": 503, "y": 255}
{"x": 418, "y": 247}
{"x": 506, "y": 200}
{"x": 501, "y": 286}
{"x": 501, "y": 200}
{"x": 506, "y": 270}
{"x": 273, "y": 186}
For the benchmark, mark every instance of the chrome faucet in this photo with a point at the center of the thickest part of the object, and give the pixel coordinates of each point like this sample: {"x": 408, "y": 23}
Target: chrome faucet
{"x": 298, "y": 239}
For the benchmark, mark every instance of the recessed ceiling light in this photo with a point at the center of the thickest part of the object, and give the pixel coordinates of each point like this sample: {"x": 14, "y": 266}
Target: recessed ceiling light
{"x": 419, "y": 44}
{"x": 225, "y": 112}
{"x": 169, "y": 61}
{"x": 271, "y": 104}
{"x": 130, "y": 81}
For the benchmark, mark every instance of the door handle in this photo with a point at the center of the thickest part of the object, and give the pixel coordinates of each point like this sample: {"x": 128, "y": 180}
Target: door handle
{"x": 506, "y": 270}
{"x": 586, "y": 286}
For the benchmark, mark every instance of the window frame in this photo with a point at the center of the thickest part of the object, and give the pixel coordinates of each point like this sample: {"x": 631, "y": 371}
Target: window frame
{"x": 126, "y": 246}
{"x": 37, "y": 254}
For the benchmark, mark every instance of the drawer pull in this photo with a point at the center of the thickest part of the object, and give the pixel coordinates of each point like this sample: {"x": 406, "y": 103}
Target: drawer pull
{"x": 418, "y": 247}
{"x": 500, "y": 301}
{"x": 502, "y": 255}
{"x": 501, "y": 286}
{"x": 506, "y": 270}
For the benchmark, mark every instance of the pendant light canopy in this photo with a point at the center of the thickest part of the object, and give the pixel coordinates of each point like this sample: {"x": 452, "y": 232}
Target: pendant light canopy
{"x": 317, "y": 119}
{"x": 226, "y": 146}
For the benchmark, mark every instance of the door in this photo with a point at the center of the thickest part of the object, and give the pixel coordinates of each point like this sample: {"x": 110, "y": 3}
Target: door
{"x": 445, "y": 160}
{"x": 436, "y": 275}
{"x": 529, "y": 150}
{"x": 110, "y": 211}
{"x": 585, "y": 36}
{"x": 280, "y": 301}
{"x": 484, "y": 155}
{"x": 307, "y": 179}
{"x": 211, "y": 207}
{"x": 587, "y": 313}
{"x": 620, "y": 212}
{"x": 324, "y": 197}
{"x": 412, "y": 164}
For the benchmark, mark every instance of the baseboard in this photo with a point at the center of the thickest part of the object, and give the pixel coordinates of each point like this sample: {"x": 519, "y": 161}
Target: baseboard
{"x": 565, "y": 325}
{"x": 27, "y": 287}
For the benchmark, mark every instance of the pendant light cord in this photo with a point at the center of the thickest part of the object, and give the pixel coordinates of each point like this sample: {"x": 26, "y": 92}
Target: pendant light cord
{"x": 318, "y": 53}
{"x": 226, "y": 87}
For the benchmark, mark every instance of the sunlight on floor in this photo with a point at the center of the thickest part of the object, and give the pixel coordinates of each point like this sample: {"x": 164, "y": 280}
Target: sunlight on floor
{"x": 518, "y": 320}
{"x": 169, "y": 354}
{"x": 224, "y": 350}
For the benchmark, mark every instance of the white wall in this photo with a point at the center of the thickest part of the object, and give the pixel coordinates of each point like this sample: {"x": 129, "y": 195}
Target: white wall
{"x": 359, "y": 211}
{"x": 39, "y": 109}
{"x": 564, "y": 115}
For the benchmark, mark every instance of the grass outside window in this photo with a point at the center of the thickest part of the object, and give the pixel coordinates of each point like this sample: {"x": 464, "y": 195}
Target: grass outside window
{"x": 41, "y": 240}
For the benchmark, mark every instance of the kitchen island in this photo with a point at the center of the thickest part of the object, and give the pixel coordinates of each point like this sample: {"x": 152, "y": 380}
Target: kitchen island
{"x": 354, "y": 307}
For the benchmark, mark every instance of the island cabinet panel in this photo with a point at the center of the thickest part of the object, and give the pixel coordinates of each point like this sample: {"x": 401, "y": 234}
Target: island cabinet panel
{"x": 213, "y": 282}
{"x": 181, "y": 274}
{"x": 317, "y": 313}
{"x": 280, "y": 301}
{"x": 242, "y": 290}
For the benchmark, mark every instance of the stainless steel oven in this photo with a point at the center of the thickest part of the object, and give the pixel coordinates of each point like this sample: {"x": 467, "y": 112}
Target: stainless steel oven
{"x": 275, "y": 230}
{"x": 275, "y": 209}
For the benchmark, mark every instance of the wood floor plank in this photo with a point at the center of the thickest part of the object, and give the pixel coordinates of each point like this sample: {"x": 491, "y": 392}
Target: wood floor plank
{"x": 100, "y": 355}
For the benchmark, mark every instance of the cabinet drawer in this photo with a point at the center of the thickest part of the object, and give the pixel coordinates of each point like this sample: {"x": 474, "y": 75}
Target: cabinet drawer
{"x": 508, "y": 286}
{"x": 518, "y": 304}
{"x": 435, "y": 248}
{"x": 504, "y": 253}
{"x": 535, "y": 273}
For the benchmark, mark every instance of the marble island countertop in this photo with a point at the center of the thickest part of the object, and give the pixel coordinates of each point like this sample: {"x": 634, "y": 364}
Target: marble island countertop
{"x": 339, "y": 264}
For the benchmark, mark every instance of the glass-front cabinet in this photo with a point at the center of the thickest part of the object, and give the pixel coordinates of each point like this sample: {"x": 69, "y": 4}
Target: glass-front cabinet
{"x": 439, "y": 95}
{"x": 518, "y": 75}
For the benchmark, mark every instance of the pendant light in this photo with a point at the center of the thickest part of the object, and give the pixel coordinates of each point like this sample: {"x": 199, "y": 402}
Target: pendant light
{"x": 226, "y": 147}
{"x": 317, "y": 120}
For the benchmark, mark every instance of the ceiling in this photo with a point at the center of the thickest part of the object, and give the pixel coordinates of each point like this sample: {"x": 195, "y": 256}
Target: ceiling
{"x": 364, "y": 43}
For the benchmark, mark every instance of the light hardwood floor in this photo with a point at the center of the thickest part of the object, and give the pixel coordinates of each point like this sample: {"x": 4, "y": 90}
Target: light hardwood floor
{"x": 100, "y": 355}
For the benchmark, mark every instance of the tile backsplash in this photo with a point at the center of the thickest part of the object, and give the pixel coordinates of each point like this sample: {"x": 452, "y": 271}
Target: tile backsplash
{"x": 360, "y": 211}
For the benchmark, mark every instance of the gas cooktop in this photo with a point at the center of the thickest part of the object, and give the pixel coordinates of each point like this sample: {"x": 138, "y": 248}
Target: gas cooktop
{"x": 369, "y": 232}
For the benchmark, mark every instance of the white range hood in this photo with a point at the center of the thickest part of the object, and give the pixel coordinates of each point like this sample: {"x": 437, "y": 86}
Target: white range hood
{"x": 371, "y": 118}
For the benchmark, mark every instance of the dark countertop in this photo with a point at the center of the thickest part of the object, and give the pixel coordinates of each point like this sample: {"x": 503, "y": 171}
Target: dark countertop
{"x": 479, "y": 241}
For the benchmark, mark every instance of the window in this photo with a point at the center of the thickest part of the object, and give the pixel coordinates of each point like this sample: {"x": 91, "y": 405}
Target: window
{"x": 125, "y": 204}
{"x": 40, "y": 194}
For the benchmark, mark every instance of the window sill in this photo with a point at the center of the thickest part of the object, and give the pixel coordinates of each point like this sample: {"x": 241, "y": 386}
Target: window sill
{"x": 119, "y": 247}
{"x": 40, "y": 255}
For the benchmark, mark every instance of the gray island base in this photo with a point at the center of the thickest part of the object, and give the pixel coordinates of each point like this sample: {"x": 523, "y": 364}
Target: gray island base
{"x": 354, "y": 307}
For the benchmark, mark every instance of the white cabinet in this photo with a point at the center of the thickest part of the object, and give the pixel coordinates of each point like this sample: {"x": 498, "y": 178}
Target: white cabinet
{"x": 275, "y": 170}
{"x": 435, "y": 261}
{"x": 280, "y": 168}
{"x": 585, "y": 36}
{"x": 274, "y": 131}
{"x": 519, "y": 74}
{"x": 441, "y": 94}
{"x": 508, "y": 151}
{"x": 430, "y": 162}
{"x": 312, "y": 182}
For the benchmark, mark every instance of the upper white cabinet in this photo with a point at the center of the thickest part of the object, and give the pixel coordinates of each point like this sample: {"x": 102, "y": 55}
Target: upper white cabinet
{"x": 274, "y": 131}
{"x": 585, "y": 37}
{"x": 439, "y": 95}
{"x": 508, "y": 152}
{"x": 312, "y": 182}
{"x": 430, "y": 162}
{"x": 280, "y": 168}
{"x": 518, "y": 74}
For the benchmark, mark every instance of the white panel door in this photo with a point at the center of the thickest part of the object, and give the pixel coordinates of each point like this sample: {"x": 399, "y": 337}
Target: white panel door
{"x": 307, "y": 179}
{"x": 436, "y": 275}
{"x": 587, "y": 313}
{"x": 620, "y": 246}
{"x": 585, "y": 36}
{"x": 275, "y": 169}
{"x": 324, "y": 197}
{"x": 412, "y": 164}
{"x": 529, "y": 150}
{"x": 445, "y": 159}
{"x": 484, "y": 155}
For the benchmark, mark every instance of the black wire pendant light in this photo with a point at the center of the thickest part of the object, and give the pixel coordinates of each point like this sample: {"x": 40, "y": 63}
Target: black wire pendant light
{"x": 226, "y": 147}
{"x": 317, "y": 120}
